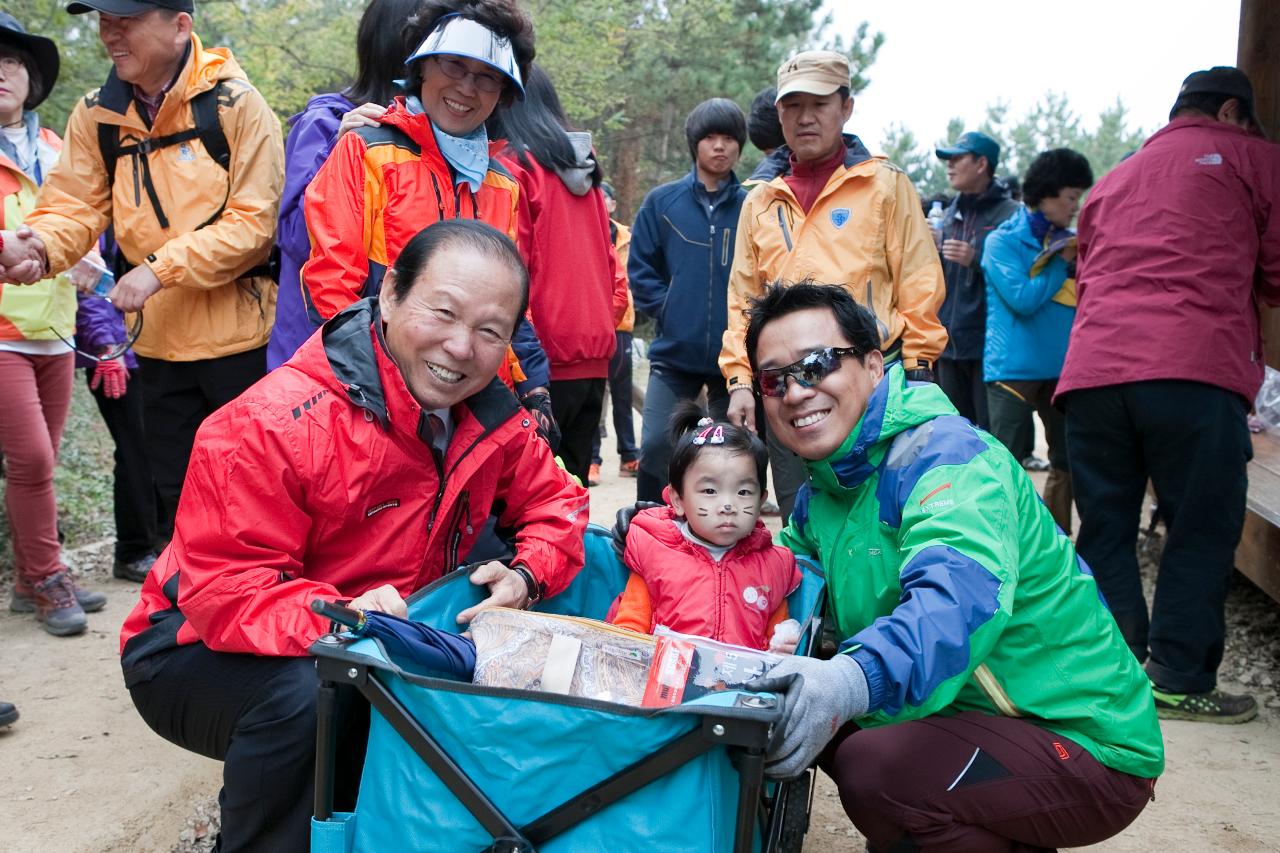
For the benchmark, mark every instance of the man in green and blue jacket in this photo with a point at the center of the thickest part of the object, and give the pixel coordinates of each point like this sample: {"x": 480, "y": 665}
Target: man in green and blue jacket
{"x": 984, "y": 692}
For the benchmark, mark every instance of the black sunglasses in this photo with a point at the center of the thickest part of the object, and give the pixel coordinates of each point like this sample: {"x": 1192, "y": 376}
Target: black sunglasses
{"x": 116, "y": 350}
{"x": 808, "y": 371}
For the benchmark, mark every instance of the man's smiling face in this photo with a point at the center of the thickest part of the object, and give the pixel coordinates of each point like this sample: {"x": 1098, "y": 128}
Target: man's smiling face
{"x": 814, "y": 422}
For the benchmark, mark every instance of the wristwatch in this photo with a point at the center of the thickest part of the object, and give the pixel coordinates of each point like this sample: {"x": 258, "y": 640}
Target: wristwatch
{"x": 536, "y": 590}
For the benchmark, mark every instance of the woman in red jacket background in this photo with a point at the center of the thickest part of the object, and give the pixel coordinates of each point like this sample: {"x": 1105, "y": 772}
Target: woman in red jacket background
{"x": 577, "y": 291}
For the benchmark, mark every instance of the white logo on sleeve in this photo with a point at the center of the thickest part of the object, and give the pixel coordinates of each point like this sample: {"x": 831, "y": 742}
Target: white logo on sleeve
{"x": 1214, "y": 159}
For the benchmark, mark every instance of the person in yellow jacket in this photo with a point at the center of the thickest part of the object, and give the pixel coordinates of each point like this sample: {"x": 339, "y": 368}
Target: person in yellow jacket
{"x": 823, "y": 208}
{"x": 183, "y": 158}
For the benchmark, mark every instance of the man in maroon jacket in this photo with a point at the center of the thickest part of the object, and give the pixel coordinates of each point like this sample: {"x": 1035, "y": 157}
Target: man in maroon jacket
{"x": 1179, "y": 245}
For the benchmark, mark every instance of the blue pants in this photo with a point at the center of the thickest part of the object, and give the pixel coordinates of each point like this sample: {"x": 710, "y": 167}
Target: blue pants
{"x": 667, "y": 387}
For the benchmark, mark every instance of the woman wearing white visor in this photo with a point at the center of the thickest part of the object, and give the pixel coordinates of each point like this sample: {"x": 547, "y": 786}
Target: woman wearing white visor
{"x": 426, "y": 159}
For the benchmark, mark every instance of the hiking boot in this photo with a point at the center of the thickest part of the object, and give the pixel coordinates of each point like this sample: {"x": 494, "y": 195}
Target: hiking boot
{"x": 770, "y": 508}
{"x": 56, "y": 606}
{"x": 628, "y": 469}
{"x": 8, "y": 714}
{"x": 22, "y": 600}
{"x": 593, "y": 475}
{"x": 134, "y": 570}
{"x": 1212, "y": 707}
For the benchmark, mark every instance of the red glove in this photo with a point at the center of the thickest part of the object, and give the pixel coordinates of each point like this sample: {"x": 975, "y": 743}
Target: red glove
{"x": 112, "y": 376}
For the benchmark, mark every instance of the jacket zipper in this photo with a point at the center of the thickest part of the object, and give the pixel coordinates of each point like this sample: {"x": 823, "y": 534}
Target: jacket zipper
{"x": 987, "y": 682}
{"x": 711, "y": 273}
{"x": 782, "y": 222}
{"x": 435, "y": 185}
{"x": 461, "y": 516}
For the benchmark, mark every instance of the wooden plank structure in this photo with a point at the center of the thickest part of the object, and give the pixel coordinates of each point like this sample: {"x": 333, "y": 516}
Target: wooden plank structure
{"x": 1258, "y": 555}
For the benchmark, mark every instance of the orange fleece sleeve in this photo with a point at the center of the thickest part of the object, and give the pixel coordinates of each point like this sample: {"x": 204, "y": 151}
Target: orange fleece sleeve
{"x": 635, "y": 611}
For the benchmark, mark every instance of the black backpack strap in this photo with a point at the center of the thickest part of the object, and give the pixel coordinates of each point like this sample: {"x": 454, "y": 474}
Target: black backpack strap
{"x": 207, "y": 128}
{"x": 204, "y": 109}
{"x": 109, "y": 145}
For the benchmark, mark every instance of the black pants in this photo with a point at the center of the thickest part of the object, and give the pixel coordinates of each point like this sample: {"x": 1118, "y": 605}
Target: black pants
{"x": 667, "y": 388}
{"x": 961, "y": 381}
{"x": 1191, "y": 440}
{"x": 178, "y": 396}
{"x": 257, "y": 715}
{"x": 1010, "y": 405}
{"x": 620, "y": 403}
{"x": 576, "y": 405}
{"x": 976, "y": 783}
{"x": 134, "y": 495}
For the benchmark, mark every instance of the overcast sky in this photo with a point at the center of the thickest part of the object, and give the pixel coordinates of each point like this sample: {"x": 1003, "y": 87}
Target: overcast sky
{"x": 950, "y": 59}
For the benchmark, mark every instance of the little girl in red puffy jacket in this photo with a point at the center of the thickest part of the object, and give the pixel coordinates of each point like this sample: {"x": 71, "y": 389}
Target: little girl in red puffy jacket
{"x": 705, "y": 564}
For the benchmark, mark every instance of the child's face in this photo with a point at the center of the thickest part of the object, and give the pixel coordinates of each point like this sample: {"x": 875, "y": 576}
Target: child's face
{"x": 720, "y": 496}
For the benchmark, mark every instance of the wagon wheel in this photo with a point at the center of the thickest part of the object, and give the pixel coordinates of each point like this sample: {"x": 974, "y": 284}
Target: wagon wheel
{"x": 795, "y": 801}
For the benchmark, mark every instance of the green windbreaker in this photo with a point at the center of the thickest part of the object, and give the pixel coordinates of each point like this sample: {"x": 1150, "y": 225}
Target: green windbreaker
{"x": 956, "y": 589}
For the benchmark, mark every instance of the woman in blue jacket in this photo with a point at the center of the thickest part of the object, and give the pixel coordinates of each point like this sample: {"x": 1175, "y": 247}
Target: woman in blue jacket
{"x": 1029, "y": 265}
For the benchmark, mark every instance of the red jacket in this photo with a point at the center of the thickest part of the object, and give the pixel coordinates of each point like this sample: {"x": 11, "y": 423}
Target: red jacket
{"x": 378, "y": 189}
{"x": 733, "y": 600}
{"x": 577, "y": 291}
{"x": 316, "y": 483}
{"x": 1179, "y": 245}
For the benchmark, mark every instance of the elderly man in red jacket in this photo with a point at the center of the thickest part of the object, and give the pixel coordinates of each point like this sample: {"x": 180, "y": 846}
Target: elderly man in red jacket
{"x": 1178, "y": 246}
{"x": 361, "y": 470}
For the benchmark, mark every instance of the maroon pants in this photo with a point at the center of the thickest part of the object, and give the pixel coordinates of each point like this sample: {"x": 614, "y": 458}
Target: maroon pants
{"x": 36, "y": 393}
{"x": 979, "y": 783}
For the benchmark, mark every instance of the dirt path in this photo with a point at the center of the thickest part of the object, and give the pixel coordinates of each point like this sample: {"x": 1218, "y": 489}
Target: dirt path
{"x": 85, "y": 774}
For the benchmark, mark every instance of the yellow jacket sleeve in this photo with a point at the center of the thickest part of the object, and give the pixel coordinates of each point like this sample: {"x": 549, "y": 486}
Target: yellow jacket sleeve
{"x": 744, "y": 284}
{"x": 917, "y": 272}
{"x": 74, "y": 205}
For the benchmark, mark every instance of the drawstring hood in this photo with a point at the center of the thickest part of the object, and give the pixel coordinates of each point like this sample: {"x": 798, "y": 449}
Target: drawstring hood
{"x": 578, "y": 178}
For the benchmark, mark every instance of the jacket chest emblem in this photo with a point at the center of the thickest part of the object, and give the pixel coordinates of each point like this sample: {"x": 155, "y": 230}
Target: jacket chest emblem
{"x": 185, "y": 153}
{"x": 840, "y": 216}
{"x": 756, "y": 596}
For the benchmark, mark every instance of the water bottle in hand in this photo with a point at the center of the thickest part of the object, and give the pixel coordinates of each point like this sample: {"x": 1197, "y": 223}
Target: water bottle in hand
{"x": 106, "y": 281}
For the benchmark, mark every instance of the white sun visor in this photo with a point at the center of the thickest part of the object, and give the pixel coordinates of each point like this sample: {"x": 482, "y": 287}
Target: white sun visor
{"x": 460, "y": 36}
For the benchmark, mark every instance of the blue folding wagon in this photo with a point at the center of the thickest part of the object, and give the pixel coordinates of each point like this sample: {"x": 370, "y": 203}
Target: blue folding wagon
{"x": 459, "y": 767}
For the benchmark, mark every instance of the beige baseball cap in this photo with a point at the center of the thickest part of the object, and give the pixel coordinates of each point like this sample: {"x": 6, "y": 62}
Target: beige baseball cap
{"x": 816, "y": 72}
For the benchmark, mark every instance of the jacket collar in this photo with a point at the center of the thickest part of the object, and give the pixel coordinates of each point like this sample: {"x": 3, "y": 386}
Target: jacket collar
{"x": 778, "y": 164}
{"x": 660, "y": 523}
{"x": 730, "y": 185}
{"x": 357, "y": 355}
{"x": 1205, "y": 122}
{"x": 996, "y": 192}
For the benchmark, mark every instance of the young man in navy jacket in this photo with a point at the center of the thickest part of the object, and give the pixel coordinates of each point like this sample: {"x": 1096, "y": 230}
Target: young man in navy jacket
{"x": 681, "y": 253}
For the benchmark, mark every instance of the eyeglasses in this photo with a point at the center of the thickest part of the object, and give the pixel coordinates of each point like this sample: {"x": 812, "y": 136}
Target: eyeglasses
{"x": 116, "y": 350}
{"x": 456, "y": 69}
{"x": 807, "y": 372}
{"x": 11, "y": 64}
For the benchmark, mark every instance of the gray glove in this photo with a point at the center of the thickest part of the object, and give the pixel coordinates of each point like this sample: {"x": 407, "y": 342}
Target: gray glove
{"x": 820, "y": 695}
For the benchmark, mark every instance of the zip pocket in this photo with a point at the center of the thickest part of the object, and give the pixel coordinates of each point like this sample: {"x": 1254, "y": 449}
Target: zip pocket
{"x": 724, "y": 251}
{"x": 782, "y": 223}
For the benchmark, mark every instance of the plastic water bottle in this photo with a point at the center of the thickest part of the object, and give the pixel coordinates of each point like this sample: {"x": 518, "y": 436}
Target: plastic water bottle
{"x": 106, "y": 281}
{"x": 935, "y": 218}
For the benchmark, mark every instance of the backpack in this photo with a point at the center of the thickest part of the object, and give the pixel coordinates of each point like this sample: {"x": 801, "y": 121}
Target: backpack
{"x": 208, "y": 129}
